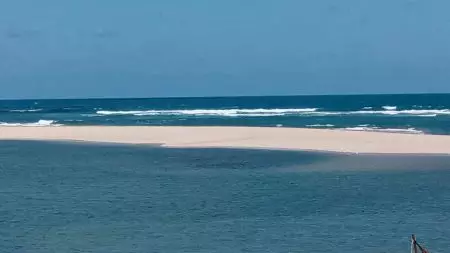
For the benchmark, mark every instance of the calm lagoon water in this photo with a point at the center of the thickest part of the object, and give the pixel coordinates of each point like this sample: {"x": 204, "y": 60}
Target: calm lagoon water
{"x": 75, "y": 197}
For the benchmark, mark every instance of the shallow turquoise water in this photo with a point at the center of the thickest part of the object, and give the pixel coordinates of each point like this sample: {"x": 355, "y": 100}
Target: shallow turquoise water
{"x": 112, "y": 198}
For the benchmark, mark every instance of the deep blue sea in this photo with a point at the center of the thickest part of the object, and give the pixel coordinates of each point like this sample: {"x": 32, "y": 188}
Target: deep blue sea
{"x": 428, "y": 113}
{"x": 75, "y": 197}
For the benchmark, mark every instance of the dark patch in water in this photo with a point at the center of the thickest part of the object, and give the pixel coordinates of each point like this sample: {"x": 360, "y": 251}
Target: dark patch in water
{"x": 62, "y": 197}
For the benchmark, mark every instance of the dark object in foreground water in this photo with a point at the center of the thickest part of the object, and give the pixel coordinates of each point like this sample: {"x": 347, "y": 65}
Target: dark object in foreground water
{"x": 415, "y": 246}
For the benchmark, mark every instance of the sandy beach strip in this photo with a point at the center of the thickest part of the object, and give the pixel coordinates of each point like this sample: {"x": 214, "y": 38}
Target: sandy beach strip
{"x": 240, "y": 137}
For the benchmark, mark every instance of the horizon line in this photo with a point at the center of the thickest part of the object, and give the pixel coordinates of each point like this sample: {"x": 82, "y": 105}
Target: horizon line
{"x": 227, "y": 96}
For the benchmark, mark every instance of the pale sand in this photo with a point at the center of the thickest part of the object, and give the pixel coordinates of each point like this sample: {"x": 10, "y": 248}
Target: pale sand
{"x": 241, "y": 137}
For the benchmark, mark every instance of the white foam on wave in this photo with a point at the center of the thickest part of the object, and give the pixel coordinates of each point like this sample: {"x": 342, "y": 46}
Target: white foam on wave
{"x": 212, "y": 112}
{"x": 28, "y": 110}
{"x": 413, "y": 112}
{"x": 136, "y": 113}
{"x": 40, "y": 123}
{"x": 422, "y": 112}
{"x": 389, "y": 111}
{"x": 378, "y": 129}
{"x": 389, "y": 108}
{"x": 320, "y": 125}
{"x": 427, "y": 115}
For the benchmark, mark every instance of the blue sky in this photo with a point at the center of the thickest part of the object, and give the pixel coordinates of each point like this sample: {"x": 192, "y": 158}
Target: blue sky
{"x": 148, "y": 48}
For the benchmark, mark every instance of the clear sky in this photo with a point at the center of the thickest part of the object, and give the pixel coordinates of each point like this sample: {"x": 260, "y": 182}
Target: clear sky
{"x": 148, "y": 48}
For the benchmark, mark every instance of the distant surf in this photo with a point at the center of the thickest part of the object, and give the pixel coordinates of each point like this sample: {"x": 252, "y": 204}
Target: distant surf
{"x": 428, "y": 114}
{"x": 39, "y": 123}
{"x": 388, "y": 130}
{"x": 275, "y": 112}
{"x": 212, "y": 112}
{"x": 27, "y": 110}
{"x": 320, "y": 125}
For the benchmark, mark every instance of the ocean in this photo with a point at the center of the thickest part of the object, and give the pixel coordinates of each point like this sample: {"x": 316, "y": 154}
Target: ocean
{"x": 77, "y": 197}
{"x": 426, "y": 113}
{"x": 69, "y": 197}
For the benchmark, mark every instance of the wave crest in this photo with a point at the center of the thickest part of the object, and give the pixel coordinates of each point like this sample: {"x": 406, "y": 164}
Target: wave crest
{"x": 390, "y": 111}
{"x": 390, "y": 108}
{"x": 40, "y": 123}
{"x": 365, "y": 128}
{"x": 26, "y": 110}
{"x": 413, "y": 112}
{"x": 214, "y": 112}
{"x": 320, "y": 125}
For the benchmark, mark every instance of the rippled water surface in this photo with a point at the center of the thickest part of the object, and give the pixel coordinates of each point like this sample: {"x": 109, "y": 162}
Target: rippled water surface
{"x": 419, "y": 113}
{"x": 61, "y": 197}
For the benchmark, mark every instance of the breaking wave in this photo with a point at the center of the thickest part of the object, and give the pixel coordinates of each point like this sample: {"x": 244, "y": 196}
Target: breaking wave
{"x": 320, "y": 125}
{"x": 389, "y": 111}
{"x": 390, "y": 108}
{"x": 214, "y": 112}
{"x": 27, "y": 110}
{"x": 389, "y": 130}
{"x": 413, "y": 112}
{"x": 40, "y": 123}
